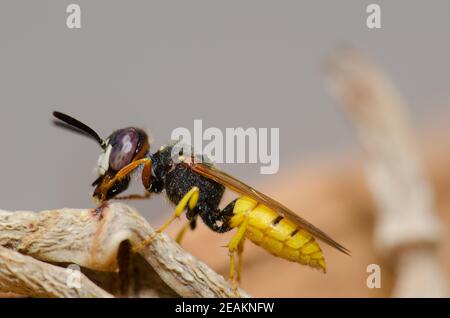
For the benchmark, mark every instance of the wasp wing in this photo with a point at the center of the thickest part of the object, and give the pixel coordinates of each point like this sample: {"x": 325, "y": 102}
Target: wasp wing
{"x": 213, "y": 173}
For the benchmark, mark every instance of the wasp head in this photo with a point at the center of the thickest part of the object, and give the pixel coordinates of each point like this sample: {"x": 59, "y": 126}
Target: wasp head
{"x": 120, "y": 149}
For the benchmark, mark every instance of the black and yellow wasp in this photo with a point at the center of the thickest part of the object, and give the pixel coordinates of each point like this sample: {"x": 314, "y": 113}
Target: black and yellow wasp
{"x": 197, "y": 187}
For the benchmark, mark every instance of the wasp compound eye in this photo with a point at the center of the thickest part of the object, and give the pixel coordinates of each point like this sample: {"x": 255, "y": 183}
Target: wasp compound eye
{"x": 124, "y": 143}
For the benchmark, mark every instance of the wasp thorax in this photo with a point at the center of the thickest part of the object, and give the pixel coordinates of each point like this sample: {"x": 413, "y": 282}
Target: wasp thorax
{"x": 124, "y": 143}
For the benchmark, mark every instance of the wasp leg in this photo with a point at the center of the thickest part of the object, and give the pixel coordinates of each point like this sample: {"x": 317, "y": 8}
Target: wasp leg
{"x": 125, "y": 171}
{"x": 182, "y": 232}
{"x": 233, "y": 247}
{"x": 190, "y": 199}
{"x": 146, "y": 173}
{"x": 188, "y": 225}
{"x": 133, "y": 197}
{"x": 240, "y": 253}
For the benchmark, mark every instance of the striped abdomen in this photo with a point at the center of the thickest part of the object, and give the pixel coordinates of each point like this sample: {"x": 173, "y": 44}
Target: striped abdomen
{"x": 278, "y": 235}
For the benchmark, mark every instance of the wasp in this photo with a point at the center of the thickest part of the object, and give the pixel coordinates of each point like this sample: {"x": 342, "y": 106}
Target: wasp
{"x": 196, "y": 187}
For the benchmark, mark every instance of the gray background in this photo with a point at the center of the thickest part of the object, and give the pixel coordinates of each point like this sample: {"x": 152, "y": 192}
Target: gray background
{"x": 161, "y": 64}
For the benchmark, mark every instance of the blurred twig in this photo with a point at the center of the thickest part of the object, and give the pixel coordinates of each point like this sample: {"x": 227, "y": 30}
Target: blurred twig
{"x": 100, "y": 241}
{"x": 407, "y": 228}
{"x": 24, "y": 275}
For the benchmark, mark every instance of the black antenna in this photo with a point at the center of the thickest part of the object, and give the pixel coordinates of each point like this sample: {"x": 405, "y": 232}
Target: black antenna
{"x": 72, "y": 122}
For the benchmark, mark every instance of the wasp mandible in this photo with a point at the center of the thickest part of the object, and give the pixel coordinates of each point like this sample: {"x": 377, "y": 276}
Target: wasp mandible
{"x": 196, "y": 187}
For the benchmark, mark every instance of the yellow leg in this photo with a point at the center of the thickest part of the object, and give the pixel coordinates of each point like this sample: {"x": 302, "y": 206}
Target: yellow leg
{"x": 233, "y": 247}
{"x": 240, "y": 260}
{"x": 182, "y": 232}
{"x": 190, "y": 199}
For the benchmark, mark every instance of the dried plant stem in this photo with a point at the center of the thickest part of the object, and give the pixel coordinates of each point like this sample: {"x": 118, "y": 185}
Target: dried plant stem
{"x": 25, "y": 275}
{"x": 100, "y": 240}
{"x": 407, "y": 228}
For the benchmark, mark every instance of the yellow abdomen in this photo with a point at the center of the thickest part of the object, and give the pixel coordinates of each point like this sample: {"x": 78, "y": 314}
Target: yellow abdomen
{"x": 278, "y": 235}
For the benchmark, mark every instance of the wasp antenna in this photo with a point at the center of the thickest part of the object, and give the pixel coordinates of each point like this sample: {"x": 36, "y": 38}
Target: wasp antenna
{"x": 79, "y": 125}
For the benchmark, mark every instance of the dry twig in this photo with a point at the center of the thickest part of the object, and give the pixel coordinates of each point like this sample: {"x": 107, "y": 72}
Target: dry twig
{"x": 407, "y": 228}
{"x": 100, "y": 241}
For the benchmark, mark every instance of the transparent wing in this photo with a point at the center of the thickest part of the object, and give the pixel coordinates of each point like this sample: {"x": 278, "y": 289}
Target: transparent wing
{"x": 213, "y": 173}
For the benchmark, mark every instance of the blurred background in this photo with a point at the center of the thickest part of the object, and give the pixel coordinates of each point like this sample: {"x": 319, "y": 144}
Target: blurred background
{"x": 160, "y": 65}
